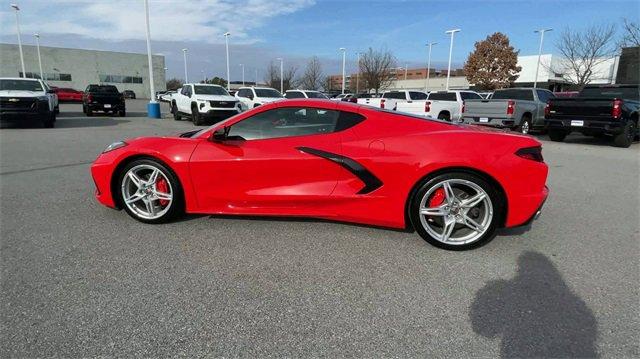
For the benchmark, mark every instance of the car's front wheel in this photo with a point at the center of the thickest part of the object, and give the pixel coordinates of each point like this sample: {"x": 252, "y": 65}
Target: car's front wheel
{"x": 149, "y": 191}
{"x": 456, "y": 211}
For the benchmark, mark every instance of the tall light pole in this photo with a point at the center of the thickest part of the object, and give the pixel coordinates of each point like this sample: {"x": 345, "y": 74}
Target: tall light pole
{"x": 153, "y": 107}
{"x": 186, "y": 77}
{"x": 242, "y": 74}
{"x": 281, "y": 74}
{"x": 344, "y": 52}
{"x": 541, "y": 32}
{"x": 203, "y": 78}
{"x": 16, "y": 8}
{"x": 358, "y": 74}
{"x": 37, "y": 36}
{"x": 406, "y": 67}
{"x": 426, "y": 85}
{"x": 452, "y": 32}
{"x": 256, "y": 84}
{"x": 226, "y": 41}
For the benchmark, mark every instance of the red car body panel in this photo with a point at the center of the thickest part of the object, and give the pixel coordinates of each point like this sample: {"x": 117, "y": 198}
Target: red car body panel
{"x": 289, "y": 177}
{"x": 68, "y": 95}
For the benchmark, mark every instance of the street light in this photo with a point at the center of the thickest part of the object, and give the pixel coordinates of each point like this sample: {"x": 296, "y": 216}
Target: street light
{"x": 357, "y": 74}
{"x": 256, "y": 84}
{"x": 226, "y": 41}
{"x": 242, "y": 74}
{"x": 281, "y": 74}
{"x": 16, "y": 8}
{"x": 153, "y": 107}
{"x": 39, "y": 57}
{"x": 344, "y": 52}
{"x": 406, "y": 66}
{"x": 203, "y": 78}
{"x": 541, "y": 31}
{"x": 184, "y": 54}
{"x": 452, "y": 32}
{"x": 426, "y": 85}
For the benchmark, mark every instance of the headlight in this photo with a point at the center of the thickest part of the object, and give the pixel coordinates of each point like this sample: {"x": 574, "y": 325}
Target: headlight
{"x": 114, "y": 146}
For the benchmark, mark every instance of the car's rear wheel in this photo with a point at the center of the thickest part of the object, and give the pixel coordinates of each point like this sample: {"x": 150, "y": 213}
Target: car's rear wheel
{"x": 122, "y": 113}
{"x": 456, "y": 211}
{"x": 525, "y": 125}
{"x": 176, "y": 114}
{"x": 89, "y": 112}
{"x": 626, "y": 137}
{"x": 557, "y": 135}
{"x": 444, "y": 116}
{"x": 149, "y": 191}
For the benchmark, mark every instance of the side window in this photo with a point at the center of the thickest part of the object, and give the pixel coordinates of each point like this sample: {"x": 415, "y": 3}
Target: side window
{"x": 250, "y": 94}
{"x": 395, "y": 95}
{"x": 294, "y": 94}
{"x": 443, "y": 96}
{"x": 544, "y": 96}
{"x": 285, "y": 122}
{"x": 347, "y": 120}
{"x": 415, "y": 95}
{"x": 470, "y": 96}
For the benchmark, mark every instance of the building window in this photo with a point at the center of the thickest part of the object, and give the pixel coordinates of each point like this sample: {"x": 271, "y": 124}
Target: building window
{"x": 120, "y": 79}
{"x": 48, "y": 77}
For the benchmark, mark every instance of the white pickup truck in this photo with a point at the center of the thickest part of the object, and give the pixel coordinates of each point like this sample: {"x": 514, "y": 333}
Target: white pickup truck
{"x": 406, "y": 101}
{"x": 202, "y": 102}
{"x": 449, "y": 105}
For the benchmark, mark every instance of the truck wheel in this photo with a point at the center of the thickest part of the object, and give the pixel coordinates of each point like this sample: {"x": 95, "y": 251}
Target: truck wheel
{"x": 625, "y": 138}
{"x": 174, "y": 110}
{"x": 557, "y": 135}
{"x": 122, "y": 113}
{"x": 50, "y": 120}
{"x": 444, "y": 116}
{"x": 89, "y": 112}
{"x": 195, "y": 116}
{"x": 525, "y": 125}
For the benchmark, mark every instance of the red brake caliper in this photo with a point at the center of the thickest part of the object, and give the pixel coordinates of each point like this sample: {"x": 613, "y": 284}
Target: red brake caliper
{"x": 162, "y": 186}
{"x": 437, "y": 198}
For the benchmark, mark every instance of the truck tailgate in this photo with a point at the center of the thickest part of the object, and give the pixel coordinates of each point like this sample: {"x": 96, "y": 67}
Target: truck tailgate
{"x": 485, "y": 108}
{"x": 580, "y": 108}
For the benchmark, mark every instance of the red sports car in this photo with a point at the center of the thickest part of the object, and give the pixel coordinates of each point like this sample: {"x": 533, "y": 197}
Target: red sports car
{"x": 68, "y": 94}
{"x": 454, "y": 184}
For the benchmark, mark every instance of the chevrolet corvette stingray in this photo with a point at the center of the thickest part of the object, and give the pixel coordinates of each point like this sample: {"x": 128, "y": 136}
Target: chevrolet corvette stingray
{"x": 454, "y": 184}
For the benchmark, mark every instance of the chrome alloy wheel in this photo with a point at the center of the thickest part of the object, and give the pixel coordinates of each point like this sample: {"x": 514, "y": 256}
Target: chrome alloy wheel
{"x": 147, "y": 192}
{"x": 525, "y": 127}
{"x": 456, "y": 211}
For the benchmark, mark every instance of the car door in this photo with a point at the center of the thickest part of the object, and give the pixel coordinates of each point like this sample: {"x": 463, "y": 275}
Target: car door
{"x": 269, "y": 161}
{"x": 185, "y": 99}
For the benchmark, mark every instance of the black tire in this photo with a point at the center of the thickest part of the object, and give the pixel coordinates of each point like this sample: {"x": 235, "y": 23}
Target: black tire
{"x": 557, "y": 135}
{"x": 84, "y": 109}
{"x": 195, "y": 116}
{"x": 444, "y": 116}
{"x": 176, "y": 114}
{"x": 50, "y": 121}
{"x": 525, "y": 125}
{"x": 89, "y": 112}
{"x": 425, "y": 185}
{"x": 176, "y": 207}
{"x": 122, "y": 113}
{"x": 57, "y": 109}
{"x": 626, "y": 137}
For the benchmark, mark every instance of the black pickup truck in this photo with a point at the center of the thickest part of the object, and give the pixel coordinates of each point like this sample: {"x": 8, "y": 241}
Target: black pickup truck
{"x": 105, "y": 98}
{"x": 600, "y": 111}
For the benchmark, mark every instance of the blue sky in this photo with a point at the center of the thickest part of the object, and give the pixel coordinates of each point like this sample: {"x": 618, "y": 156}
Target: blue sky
{"x": 298, "y": 29}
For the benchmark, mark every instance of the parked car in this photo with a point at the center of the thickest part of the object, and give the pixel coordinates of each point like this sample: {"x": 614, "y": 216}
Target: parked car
{"x": 304, "y": 94}
{"x": 66, "y": 94}
{"x": 520, "y": 109}
{"x": 23, "y": 100}
{"x": 610, "y": 110}
{"x": 104, "y": 98}
{"x": 166, "y": 97}
{"x": 333, "y": 160}
{"x": 204, "y": 103}
{"x": 376, "y": 100}
{"x": 129, "y": 94}
{"x": 408, "y": 101}
{"x": 255, "y": 96}
{"x": 449, "y": 105}
{"x": 342, "y": 97}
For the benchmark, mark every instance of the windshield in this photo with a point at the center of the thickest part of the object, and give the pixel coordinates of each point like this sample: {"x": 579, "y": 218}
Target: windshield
{"x": 210, "y": 90}
{"x": 630, "y": 93}
{"x": 103, "y": 88}
{"x": 267, "y": 93}
{"x": 20, "y": 85}
{"x": 313, "y": 94}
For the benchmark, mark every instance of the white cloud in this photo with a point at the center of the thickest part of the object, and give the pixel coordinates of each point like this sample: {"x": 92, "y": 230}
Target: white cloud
{"x": 172, "y": 20}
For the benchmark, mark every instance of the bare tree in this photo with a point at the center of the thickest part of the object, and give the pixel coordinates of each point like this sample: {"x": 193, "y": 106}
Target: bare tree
{"x": 272, "y": 77}
{"x": 583, "y": 51}
{"x": 631, "y": 34}
{"x": 174, "y": 84}
{"x": 312, "y": 77}
{"x": 377, "y": 69}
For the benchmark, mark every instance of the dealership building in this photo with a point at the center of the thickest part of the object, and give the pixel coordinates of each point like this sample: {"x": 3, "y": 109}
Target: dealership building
{"x": 76, "y": 68}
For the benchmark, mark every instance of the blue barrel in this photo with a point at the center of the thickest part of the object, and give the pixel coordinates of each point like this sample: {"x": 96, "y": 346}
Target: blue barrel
{"x": 153, "y": 110}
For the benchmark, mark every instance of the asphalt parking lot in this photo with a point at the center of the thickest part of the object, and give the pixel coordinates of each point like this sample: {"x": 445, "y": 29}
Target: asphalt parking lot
{"x": 79, "y": 279}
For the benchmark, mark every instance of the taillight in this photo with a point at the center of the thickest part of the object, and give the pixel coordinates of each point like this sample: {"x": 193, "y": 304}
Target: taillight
{"x": 381, "y": 103}
{"x": 616, "y": 111}
{"x": 531, "y": 153}
{"x": 547, "y": 109}
{"x": 511, "y": 106}
{"x": 427, "y": 106}
{"x": 89, "y": 98}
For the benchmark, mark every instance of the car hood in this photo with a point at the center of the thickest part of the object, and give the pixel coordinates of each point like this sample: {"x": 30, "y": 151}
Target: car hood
{"x": 215, "y": 98}
{"x": 21, "y": 93}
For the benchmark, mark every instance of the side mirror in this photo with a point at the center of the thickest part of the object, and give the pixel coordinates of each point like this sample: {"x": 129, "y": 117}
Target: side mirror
{"x": 220, "y": 134}
{"x": 250, "y": 96}
{"x": 50, "y": 91}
